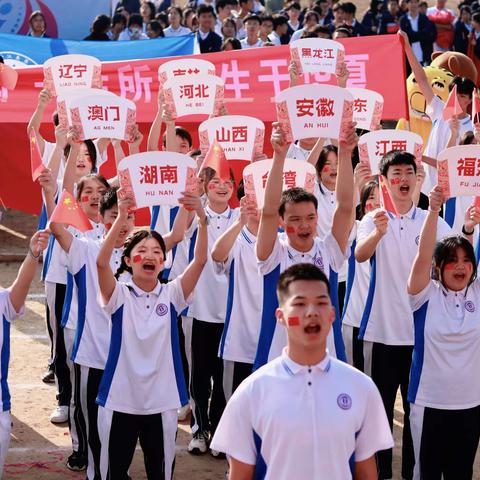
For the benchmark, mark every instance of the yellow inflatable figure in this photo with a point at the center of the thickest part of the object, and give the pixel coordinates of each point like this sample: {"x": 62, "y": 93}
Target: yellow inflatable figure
{"x": 419, "y": 122}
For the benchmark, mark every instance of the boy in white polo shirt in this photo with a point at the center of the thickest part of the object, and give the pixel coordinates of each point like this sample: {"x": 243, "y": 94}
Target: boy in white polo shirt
{"x": 305, "y": 415}
{"x": 298, "y": 216}
{"x": 390, "y": 243}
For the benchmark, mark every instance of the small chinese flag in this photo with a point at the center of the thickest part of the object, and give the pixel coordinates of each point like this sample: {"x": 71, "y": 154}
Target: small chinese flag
{"x": 385, "y": 199}
{"x": 216, "y": 159}
{"x": 68, "y": 211}
{"x": 8, "y": 77}
{"x": 35, "y": 156}
{"x": 452, "y": 107}
{"x": 475, "y": 107}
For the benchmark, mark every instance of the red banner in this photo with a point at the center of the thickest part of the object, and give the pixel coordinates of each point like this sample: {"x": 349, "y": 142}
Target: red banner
{"x": 252, "y": 79}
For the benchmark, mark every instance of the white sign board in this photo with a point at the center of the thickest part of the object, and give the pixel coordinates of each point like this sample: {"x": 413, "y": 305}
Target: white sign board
{"x": 367, "y": 108}
{"x": 317, "y": 55}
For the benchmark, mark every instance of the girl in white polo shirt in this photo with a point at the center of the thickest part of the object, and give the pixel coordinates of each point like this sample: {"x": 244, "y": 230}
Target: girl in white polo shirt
{"x": 444, "y": 389}
{"x": 143, "y": 384}
{"x": 357, "y": 284}
{"x": 12, "y": 302}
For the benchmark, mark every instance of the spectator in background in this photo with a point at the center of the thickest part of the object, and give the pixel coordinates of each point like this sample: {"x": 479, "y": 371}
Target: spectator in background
{"x": 231, "y": 44}
{"x": 338, "y": 16}
{"x": 229, "y": 28}
{"x": 252, "y": 26}
{"x": 463, "y": 27}
{"x": 475, "y": 34}
{"x": 119, "y": 24}
{"x": 421, "y": 32}
{"x": 443, "y": 18}
{"x": 280, "y": 27}
{"x": 100, "y": 27}
{"x": 162, "y": 5}
{"x": 134, "y": 30}
{"x": 246, "y": 7}
{"x": 154, "y": 29}
{"x": 147, "y": 11}
{"x": 176, "y": 28}
{"x": 124, "y": 12}
{"x": 349, "y": 12}
{"x": 190, "y": 19}
{"x": 294, "y": 23}
{"x": 390, "y": 20}
{"x": 131, "y": 6}
{"x": 343, "y": 31}
{"x": 162, "y": 18}
{"x": 371, "y": 19}
{"x": 208, "y": 41}
{"x": 423, "y": 7}
{"x": 322, "y": 31}
{"x": 224, "y": 10}
{"x": 38, "y": 25}
{"x": 312, "y": 19}
{"x": 323, "y": 9}
{"x": 402, "y": 7}
{"x": 266, "y": 28}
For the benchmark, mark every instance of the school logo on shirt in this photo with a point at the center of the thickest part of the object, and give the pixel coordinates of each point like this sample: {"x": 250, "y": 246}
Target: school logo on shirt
{"x": 319, "y": 262}
{"x": 161, "y": 309}
{"x": 469, "y": 306}
{"x": 344, "y": 401}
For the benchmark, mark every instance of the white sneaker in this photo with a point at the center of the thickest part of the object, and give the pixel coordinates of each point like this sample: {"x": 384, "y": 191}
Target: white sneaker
{"x": 60, "y": 414}
{"x": 198, "y": 444}
{"x": 182, "y": 413}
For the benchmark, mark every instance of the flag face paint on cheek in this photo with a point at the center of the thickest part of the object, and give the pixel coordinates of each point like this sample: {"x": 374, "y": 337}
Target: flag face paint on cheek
{"x": 326, "y": 169}
{"x": 394, "y": 181}
{"x": 290, "y": 229}
{"x": 450, "y": 266}
{"x": 84, "y": 198}
{"x": 293, "y": 321}
{"x": 137, "y": 258}
{"x": 108, "y": 226}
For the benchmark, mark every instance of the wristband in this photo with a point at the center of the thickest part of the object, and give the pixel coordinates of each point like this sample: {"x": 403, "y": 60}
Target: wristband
{"x": 30, "y": 252}
{"x": 465, "y": 232}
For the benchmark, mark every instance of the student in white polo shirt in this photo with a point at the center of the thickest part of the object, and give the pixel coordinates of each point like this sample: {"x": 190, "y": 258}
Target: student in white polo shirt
{"x": 390, "y": 243}
{"x": 298, "y": 216}
{"x": 444, "y": 389}
{"x": 143, "y": 384}
{"x": 12, "y": 302}
{"x": 358, "y": 280}
{"x": 234, "y": 255}
{"x": 304, "y": 415}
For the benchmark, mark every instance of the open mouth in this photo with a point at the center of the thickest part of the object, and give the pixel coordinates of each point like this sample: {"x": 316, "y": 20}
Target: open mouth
{"x": 312, "y": 329}
{"x": 460, "y": 277}
{"x": 304, "y": 235}
{"x": 404, "y": 189}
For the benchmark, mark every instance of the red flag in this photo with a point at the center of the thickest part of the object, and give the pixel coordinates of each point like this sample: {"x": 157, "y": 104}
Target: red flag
{"x": 475, "y": 107}
{"x": 385, "y": 200}
{"x": 452, "y": 107}
{"x": 216, "y": 159}
{"x": 8, "y": 76}
{"x": 35, "y": 156}
{"x": 68, "y": 211}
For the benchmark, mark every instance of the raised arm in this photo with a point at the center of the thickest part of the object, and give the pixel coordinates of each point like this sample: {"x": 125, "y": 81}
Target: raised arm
{"x": 170, "y": 135}
{"x": 19, "y": 289}
{"x": 156, "y": 127}
{"x": 49, "y": 187}
{"x": 366, "y": 247}
{"x": 70, "y": 167}
{"x": 417, "y": 69}
{"x": 194, "y": 269}
{"x": 180, "y": 225}
{"x": 344, "y": 189}
{"x": 315, "y": 151}
{"x": 57, "y": 154}
{"x": 422, "y": 265}
{"x": 44, "y": 99}
{"x": 267, "y": 231}
{"x": 134, "y": 146}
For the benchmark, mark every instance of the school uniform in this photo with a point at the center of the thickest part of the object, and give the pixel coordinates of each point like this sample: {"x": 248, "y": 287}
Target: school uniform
{"x": 8, "y": 314}
{"x": 386, "y": 327}
{"x": 307, "y": 422}
{"x": 92, "y": 337}
{"x": 208, "y": 312}
{"x": 143, "y": 384}
{"x": 358, "y": 279}
{"x": 244, "y": 311}
{"x": 296, "y": 152}
{"x": 326, "y": 255}
{"x": 180, "y": 31}
{"x": 444, "y": 389}
{"x": 245, "y": 45}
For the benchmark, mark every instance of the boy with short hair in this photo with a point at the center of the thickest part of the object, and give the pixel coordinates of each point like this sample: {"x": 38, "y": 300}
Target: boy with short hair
{"x": 252, "y": 26}
{"x": 305, "y": 414}
{"x": 390, "y": 243}
{"x": 207, "y": 40}
{"x": 280, "y": 28}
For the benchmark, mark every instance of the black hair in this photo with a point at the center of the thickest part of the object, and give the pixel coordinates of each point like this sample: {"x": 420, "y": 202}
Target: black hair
{"x": 240, "y": 190}
{"x": 296, "y": 195}
{"x": 349, "y": 7}
{"x": 55, "y": 119}
{"x": 135, "y": 19}
{"x": 467, "y": 138}
{"x": 162, "y": 17}
{"x": 223, "y": 3}
{"x": 308, "y": 34}
{"x": 278, "y": 21}
{"x": 294, "y": 5}
{"x": 205, "y": 9}
{"x": 36, "y": 13}
{"x": 230, "y": 21}
{"x": 92, "y": 152}
{"x": 96, "y": 176}
{"x": 101, "y": 24}
{"x": 252, "y": 17}
{"x": 153, "y": 10}
{"x": 242, "y": 1}
{"x": 234, "y": 42}
{"x": 317, "y": 29}
{"x": 182, "y": 133}
{"x": 311, "y": 13}
{"x": 108, "y": 201}
{"x": 119, "y": 18}
{"x": 465, "y": 8}
{"x": 446, "y": 251}
{"x": 267, "y": 18}
{"x": 322, "y": 158}
{"x": 366, "y": 191}
{"x": 476, "y": 17}
{"x": 464, "y": 85}
{"x": 344, "y": 28}
{"x": 177, "y": 9}
{"x": 134, "y": 239}
{"x": 299, "y": 271}
{"x": 338, "y": 6}
{"x": 396, "y": 157}
{"x": 156, "y": 27}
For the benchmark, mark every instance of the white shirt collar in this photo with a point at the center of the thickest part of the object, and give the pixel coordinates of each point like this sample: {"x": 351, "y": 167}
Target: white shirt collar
{"x": 410, "y": 214}
{"x": 226, "y": 214}
{"x": 293, "y": 368}
{"x": 138, "y": 292}
{"x": 292, "y": 253}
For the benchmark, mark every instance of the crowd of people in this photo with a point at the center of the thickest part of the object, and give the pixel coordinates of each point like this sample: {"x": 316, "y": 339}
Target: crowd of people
{"x": 235, "y": 24}
{"x": 285, "y": 333}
